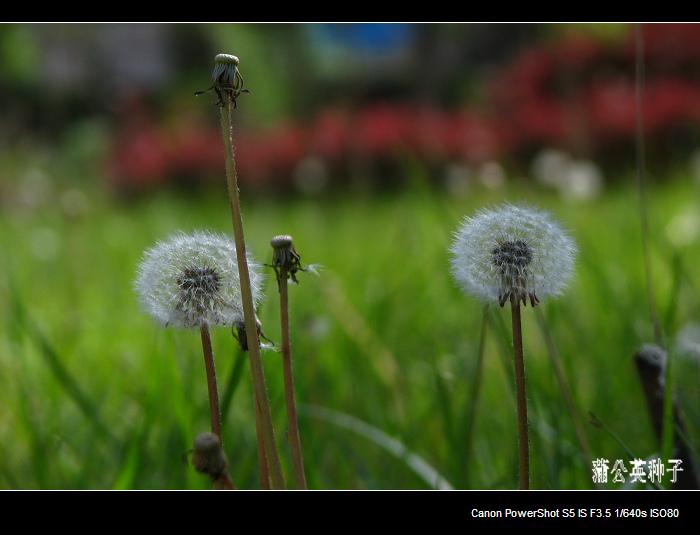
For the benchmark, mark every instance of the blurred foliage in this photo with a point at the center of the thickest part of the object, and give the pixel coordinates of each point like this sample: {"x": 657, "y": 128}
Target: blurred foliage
{"x": 382, "y": 334}
{"x": 94, "y": 396}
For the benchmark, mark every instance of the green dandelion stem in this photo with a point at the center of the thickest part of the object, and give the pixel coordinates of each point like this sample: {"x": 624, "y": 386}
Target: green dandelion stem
{"x": 256, "y": 367}
{"x": 294, "y": 441}
{"x": 521, "y": 398}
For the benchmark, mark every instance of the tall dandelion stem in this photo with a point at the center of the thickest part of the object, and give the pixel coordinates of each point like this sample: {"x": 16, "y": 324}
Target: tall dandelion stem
{"x": 211, "y": 381}
{"x": 256, "y": 368}
{"x": 521, "y": 398}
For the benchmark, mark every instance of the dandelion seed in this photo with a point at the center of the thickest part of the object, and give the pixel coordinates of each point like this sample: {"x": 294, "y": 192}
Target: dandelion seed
{"x": 512, "y": 252}
{"x": 190, "y": 280}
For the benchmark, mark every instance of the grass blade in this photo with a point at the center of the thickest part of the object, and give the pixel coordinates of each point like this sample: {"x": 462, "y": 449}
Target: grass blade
{"x": 381, "y": 439}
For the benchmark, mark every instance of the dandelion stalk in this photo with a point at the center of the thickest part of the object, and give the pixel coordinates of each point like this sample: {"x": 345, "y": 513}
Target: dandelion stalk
{"x": 214, "y": 409}
{"x": 264, "y": 468}
{"x": 294, "y": 441}
{"x": 262, "y": 456}
{"x": 521, "y": 398}
{"x": 513, "y": 254}
{"x": 227, "y": 78}
{"x": 286, "y": 260}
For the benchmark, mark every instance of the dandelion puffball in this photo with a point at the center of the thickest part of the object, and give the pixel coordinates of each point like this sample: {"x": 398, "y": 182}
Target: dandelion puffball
{"x": 513, "y": 253}
{"x": 191, "y": 280}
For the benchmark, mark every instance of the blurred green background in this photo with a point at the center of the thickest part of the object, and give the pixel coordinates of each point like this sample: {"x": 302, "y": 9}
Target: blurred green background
{"x": 368, "y": 143}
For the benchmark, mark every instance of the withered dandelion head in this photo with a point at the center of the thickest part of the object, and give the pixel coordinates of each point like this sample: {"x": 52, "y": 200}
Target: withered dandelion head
{"x": 512, "y": 253}
{"x": 190, "y": 280}
{"x": 285, "y": 258}
{"x": 226, "y": 78}
{"x": 208, "y": 456}
{"x": 226, "y": 74}
{"x": 285, "y": 255}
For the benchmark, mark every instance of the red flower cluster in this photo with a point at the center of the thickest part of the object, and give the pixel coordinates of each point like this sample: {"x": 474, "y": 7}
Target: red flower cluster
{"x": 576, "y": 93}
{"x": 579, "y": 92}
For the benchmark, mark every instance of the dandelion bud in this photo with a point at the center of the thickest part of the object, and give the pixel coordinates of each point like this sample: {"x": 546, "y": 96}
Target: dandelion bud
{"x": 285, "y": 255}
{"x": 227, "y": 79}
{"x": 190, "y": 280}
{"x": 512, "y": 253}
{"x": 208, "y": 456}
{"x": 241, "y": 334}
{"x": 225, "y": 70}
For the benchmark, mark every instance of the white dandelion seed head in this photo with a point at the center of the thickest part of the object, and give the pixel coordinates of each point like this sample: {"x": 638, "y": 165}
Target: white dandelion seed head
{"x": 190, "y": 280}
{"x": 512, "y": 251}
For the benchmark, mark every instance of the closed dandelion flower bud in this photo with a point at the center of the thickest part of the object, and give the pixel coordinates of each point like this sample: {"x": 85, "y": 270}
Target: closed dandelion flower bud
{"x": 190, "y": 280}
{"x": 285, "y": 254}
{"x": 512, "y": 253}
{"x": 208, "y": 456}
{"x": 226, "y": 78}
{"x": 225, "y": 70}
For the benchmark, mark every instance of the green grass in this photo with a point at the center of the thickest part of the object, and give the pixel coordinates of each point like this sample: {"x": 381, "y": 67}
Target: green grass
{"x": 93, "y": 396}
